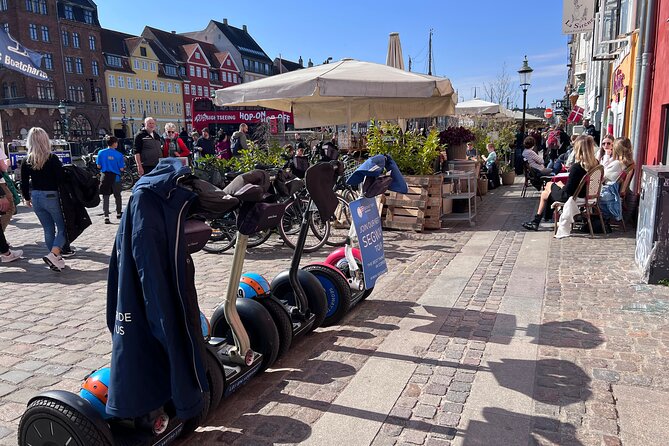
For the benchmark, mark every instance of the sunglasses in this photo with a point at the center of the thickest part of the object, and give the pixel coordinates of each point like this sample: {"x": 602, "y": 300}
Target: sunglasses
{"x": 169, "y": 132}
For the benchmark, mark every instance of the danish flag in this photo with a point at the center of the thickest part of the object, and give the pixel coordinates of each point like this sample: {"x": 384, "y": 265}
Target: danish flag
{"x": 576, "y": 115}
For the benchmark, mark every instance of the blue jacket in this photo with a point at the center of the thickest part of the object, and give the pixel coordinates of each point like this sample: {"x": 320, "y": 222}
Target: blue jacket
{"x": 156, "y": 352}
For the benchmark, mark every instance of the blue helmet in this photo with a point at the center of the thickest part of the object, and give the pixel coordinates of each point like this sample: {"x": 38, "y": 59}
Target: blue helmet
{"x": 95, "y": 390}
{"x": 253, "y": 285}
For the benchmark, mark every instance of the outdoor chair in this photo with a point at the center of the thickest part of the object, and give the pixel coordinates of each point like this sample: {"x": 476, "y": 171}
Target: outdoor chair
{"x": 592, "y": 182}
{"x": 625, "y": 180}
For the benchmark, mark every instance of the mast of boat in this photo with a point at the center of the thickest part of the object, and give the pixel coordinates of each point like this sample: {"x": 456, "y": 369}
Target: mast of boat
{"x": 429, "y": 55}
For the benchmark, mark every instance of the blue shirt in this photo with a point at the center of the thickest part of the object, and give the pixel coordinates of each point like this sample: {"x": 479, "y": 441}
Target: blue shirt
{"x": 111, "y": 160}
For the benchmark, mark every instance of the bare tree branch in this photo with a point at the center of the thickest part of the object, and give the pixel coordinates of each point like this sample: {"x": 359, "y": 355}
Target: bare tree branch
{"x": 502, "y": 90}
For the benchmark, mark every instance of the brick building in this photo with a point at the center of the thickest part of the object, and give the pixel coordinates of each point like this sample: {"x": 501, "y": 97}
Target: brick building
{"x": 67, "y": 33}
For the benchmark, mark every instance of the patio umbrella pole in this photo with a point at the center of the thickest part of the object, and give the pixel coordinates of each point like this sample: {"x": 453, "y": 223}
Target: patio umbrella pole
{"x": 348, "y": 121}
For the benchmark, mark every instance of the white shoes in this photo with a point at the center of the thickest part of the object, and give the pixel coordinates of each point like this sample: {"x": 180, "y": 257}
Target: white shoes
{"x": 11, "y": 256}
{"x": 55, "y": 262}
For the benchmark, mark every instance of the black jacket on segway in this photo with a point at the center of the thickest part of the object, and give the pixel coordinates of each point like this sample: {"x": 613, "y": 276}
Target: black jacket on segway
{"x": 157, "y": 350}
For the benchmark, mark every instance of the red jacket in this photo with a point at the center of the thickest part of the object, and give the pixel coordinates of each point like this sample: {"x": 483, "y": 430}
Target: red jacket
{"x": 182, "y": 149}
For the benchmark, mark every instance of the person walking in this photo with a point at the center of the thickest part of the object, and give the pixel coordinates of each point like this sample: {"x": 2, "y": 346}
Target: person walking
{"x": 111, "y": 164}
{"x": 46, "y": 172}
{"x": 173, "y": 144}
{"x": 238, "y": 141}
{"x": 147, "y": 147}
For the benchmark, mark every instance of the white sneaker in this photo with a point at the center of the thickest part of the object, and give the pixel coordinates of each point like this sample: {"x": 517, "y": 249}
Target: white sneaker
{"x": 11, "y": 256}
{"x": 55, "y": 262}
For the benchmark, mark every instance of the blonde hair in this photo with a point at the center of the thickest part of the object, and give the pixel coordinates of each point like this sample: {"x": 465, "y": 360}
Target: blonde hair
{"x": 622, "y": 150}
{"x": 170, "y": 126}
{"x": 584, "y": 152}
{"x": 39, "y": 147}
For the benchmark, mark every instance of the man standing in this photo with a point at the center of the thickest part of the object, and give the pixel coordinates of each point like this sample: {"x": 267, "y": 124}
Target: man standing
{"x": 238, "y": 141}
{"x": 148, "y": 147}
{"x": 206, "y": 144}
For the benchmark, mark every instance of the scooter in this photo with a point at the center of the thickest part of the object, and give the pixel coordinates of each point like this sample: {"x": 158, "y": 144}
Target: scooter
{"x": 375, "y": 176}
{"x": 61, "y": 417}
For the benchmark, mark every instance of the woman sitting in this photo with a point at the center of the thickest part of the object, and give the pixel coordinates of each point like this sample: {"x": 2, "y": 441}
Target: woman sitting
{"x": 621, "y": 157}
{"x": 584, "y": 160}
{"x": 605, "y": 153}
{"x": 535, "y": 162}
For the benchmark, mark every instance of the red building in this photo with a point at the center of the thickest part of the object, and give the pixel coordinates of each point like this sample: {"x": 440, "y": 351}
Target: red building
{"x": 657, "y": 137}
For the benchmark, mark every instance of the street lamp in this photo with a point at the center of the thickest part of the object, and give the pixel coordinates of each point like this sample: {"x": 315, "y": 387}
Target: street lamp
{"x": 62, "y": 109}
{"x": 132, "y": 125}
{"x": 525, "y": 73}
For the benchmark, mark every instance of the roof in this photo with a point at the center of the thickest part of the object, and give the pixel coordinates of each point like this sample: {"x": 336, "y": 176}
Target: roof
{"x": 176, "y": 44}
{"x": 113, "y": 42}
{"x": 290, "y": 65}
{"x": 84, "y": 3}
{"x": 243, "y": 41}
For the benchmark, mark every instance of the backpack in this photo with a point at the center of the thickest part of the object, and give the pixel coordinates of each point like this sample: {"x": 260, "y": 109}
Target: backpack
{"x": 552, "y": 142}
{"x": 85, "y": 185}
{"x": 235, "y": 144}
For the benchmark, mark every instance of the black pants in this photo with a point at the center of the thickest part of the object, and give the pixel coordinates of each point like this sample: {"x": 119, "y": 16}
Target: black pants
{"x": 4, "y": 246}
{"x": 116, "y": 190}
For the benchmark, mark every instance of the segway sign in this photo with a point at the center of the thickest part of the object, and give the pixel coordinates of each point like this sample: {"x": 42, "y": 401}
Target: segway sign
{"x": 367, "y": 224}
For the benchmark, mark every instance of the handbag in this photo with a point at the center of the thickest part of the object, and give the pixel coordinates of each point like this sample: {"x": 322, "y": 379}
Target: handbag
{"x": 12, "y": 188}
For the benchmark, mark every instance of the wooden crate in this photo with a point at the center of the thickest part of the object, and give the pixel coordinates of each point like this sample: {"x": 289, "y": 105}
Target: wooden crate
{"x": 419, "y": 208}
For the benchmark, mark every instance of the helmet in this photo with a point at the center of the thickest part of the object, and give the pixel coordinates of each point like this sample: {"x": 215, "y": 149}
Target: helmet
{"x": 205, "y": 326}
{"x": 253, "y": 285}
{"x": 95, "y": 389}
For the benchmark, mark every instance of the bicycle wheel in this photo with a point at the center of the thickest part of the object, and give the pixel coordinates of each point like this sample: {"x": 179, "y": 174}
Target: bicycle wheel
{"x": 223, "y": 233}
{"x": 128, "y": 180}
{"x": 340, "y": 224}
{"x": 258, "y": 238}
{"x": 289, "y": 229}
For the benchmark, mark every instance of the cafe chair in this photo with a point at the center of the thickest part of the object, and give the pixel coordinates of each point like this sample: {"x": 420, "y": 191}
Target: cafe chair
{"x": 625, "y": 180}
{"x": 592, "y": 182}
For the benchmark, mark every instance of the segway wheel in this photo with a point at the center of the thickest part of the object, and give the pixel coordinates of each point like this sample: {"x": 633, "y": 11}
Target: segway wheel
{"x": 356, "y": 295}
{"x": 216, "y": 381}
{"x": 337, "y": 292}
{"x": 259, "y": 326}
{"x": 316, "y": 298}
{"x": 282, "y": 321}
{"x": 48, "y": 422}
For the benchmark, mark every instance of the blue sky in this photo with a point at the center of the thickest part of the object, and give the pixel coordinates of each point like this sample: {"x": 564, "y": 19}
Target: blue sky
{"x": 472, "y": 39}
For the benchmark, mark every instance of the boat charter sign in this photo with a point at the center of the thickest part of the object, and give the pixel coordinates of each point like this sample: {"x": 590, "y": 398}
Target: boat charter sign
{"x": 15, "y": 56}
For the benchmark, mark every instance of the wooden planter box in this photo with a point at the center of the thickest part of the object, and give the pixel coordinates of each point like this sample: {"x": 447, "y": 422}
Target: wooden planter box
{"x": 418, "y": 209}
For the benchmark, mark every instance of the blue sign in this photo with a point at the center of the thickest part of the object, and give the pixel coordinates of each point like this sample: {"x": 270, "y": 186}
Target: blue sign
{"x": 367, "y": 224}
{"x": 64, "y": 155}
{"x": 15, "y": 56}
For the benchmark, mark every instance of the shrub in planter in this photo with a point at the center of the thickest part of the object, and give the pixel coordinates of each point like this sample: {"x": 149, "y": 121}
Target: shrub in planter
{"x": 413, "y": 153}
{"x": 508, "y": 174}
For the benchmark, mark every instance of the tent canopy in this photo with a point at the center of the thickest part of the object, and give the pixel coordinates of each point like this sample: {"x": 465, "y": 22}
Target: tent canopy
{"x": 478, "y": 107}
{"x": 344, "y": 92}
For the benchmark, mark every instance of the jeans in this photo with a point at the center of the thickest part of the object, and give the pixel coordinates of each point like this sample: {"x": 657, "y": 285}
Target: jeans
{"x": 116, "y": 190}
{"x": 46, "y": 205}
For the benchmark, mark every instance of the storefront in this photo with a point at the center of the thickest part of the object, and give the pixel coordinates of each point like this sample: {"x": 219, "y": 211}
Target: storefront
{"x": 620, "y": 102}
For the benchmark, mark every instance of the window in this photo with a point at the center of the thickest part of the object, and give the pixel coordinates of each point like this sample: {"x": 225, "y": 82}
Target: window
{"x": 133, "y": 109}
{"x": 121, "y": 82}
{"x": 68, "y": 65}
{"x": 48, "y": 61}
{"x": 234, "y": 78}
{"x": 69, "y": 13}
{"x": 114, "y": 61}
{"x": 45, "y": 91}
{"x": 88, "y": 16}
{"x": 197, "y": 55}
{"x": 148, "y": 106}
{"x": 213, "y": 76}
{"x": 199, "y": 90}
{"x": 188, "y": 110}
{"x": 169, "y": 87}
{"x": 182, "y": 70}
{"x": 130, "y": 83}
{"x": 95, "y": 68}
{"x": 171, "y": 108}
{"x": 66, "y": 38}
{"x": 164, "y": 107}
{"x": 156, "y": 107}
{"x": 246, "y": 64}
{"x": 145, "y": 66}
{"x": 112, "y": 80}
{"x": 92, "y": 44}
{"x": 229, "y": 77}
{"x": 146, "y": 84}
{"x": 178, "y": 108}
{"x": 154, "y": 85}
{"x": 42, "y": 7}
{"x": 138, "y": 84}
{"x": 198, "y": 72}
{"x": 204, "y": 73}
{"x": 192, "y": 71}
{"x": 186, "y": 88}
{"x": 142, "y": 51}
{"x": 3, "y": 5}
{"x": 29, "y": 6}
{"x": 9, "y": 90}
{"x": 5, "y": 26}
{"x": 114, "y": 105}
{"x": 75, "y": 40}
{"x": 170, "y": 70}
{"x": 98, "y": 95}
{"x": 177, "y": 89}
{"x": 124, "y": 105}
{"x": 153, "y": 67}
{"x": 140, "y": 106}
{"x": 162, "y": 87}
{"x": 206, "y": 92}
{"x": 45, "y": 34}
{"x": 135, "y": 63}
{"x": 79, "y": 63}
{"x": 75, "y": 93}
{"x": 33, "y": 31}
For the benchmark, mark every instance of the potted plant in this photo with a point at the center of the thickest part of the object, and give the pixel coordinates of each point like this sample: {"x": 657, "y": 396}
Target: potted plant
{"x": 508, "y": 174}
{"x": 455, "y": 140}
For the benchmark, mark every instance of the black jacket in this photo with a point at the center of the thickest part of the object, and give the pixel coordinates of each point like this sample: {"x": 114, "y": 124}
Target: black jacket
{"x": 76, "y": 193}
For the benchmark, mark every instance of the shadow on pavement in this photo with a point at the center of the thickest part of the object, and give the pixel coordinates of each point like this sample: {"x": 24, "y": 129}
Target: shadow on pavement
{"x": 252, "y": 429}
{"x": 576, "y": 333}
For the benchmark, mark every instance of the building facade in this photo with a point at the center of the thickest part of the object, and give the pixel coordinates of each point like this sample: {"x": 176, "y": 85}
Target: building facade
{"x": 67, "y": 33}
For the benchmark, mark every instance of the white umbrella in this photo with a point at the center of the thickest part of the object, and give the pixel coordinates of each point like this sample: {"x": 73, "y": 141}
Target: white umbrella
{"x": 396, "y": 59}
{"x": 344, "y": 92}
{"x": 478, "y": 107}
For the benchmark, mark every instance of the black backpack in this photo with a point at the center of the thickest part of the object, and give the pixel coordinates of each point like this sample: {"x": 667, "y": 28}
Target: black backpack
{"x": 235, "y": 145}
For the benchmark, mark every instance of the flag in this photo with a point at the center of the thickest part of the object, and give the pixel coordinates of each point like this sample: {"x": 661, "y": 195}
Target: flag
{"x": 576, "y": 115}
{"x": 15, "y": 56}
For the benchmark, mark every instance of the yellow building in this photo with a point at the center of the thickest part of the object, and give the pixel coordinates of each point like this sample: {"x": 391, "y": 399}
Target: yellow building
{"x": 142, "y": 80}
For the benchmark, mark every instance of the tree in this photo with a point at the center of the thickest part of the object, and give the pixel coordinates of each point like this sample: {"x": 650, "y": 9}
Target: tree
{"x": 502, "y": 90}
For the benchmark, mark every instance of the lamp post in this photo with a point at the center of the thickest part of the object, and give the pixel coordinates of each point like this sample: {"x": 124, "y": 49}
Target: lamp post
{"x": 132, "y": 125}
{"x": 65, "y": 124}
{"x": 525, "y": 73}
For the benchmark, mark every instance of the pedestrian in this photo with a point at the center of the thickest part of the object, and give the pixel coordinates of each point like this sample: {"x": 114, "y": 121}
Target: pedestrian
{"x": 223, "y": 146}
{"x": 111, "y": 164}
{"x": 147, "y": 147}
{"x": 44, "y": 172}
{"x": 173, "y": 145}
{"x": 238, "y": 142}
{"x": 6, "y": 217}
{"x": 194, "y": 138}
{"x": 206, "y": 144}
{"x": 471, "y": 153}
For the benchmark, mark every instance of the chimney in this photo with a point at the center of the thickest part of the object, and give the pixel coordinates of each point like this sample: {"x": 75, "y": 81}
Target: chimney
{"x": 225, "y": 21}
{"x": 245, "y": 29}
{"x": 301, "y": 62}
{"x": 310, "y": 64}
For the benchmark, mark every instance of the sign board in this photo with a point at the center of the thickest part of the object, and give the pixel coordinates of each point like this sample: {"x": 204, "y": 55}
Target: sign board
{"x": 548, "y": 113}
{"x": 124, "y": 120}
{"x": 578, "y": 16}
{"x": 205, "y": 118}
{"x": 123, "y": 110}
{"x": 559, "y": 105}
{"x": 18, "y": 152}
{"x": 367, "y": 224}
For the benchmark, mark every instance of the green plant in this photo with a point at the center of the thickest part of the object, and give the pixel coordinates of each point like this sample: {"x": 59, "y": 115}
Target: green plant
{"x": 505, "y": 168}
{"x": 663, "y": 282}
{"x": 413, "y": 153}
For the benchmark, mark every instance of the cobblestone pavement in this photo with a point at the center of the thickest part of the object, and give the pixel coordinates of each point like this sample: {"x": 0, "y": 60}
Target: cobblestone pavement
{"x": 597, "y": 332}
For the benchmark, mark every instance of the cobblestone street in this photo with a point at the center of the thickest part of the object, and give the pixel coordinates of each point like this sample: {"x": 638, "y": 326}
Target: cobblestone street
{"x": 485, "y": 335}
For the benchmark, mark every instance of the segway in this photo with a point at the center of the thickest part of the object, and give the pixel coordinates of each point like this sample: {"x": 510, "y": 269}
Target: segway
{"x": 375, "y": 176}
{"x": 61, "y": 417}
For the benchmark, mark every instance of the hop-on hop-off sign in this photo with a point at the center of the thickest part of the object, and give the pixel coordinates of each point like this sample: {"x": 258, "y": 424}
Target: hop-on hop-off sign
{"x": 367, "y": 224}
{"x": 15, "y": 56}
